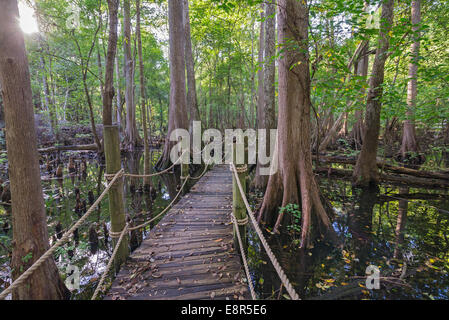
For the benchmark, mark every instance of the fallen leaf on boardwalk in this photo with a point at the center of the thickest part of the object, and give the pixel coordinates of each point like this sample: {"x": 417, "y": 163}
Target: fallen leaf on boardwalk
{"x": 218, "y": 240}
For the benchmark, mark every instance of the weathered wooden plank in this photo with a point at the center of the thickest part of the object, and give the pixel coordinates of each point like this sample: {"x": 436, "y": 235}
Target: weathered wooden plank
{"x": 189, "y": 254}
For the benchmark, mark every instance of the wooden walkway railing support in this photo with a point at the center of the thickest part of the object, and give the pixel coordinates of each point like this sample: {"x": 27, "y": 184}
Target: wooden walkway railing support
{"x": 115, "y": 195}
{"x": 238, "y": 206}
{"x": 184, "y": 175}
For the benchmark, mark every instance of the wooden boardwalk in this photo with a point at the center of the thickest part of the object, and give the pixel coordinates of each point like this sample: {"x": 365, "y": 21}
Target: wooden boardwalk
{"x": 189, "y": 254}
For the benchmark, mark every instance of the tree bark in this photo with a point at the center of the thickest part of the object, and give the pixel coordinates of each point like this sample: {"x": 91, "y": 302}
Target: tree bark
{"x": 409, "y": 143}
{"x": 192, "y": 101}
{"x": 146, "y": 156}
{"x": 132, "y": 135}
{"x": 269, "y": 75}
{"x": 365, "y": 171}
{"x": 30, "y": 235}
{"x": 108, "y": 91}
{"x": 361, "y": 71}
{"x": 118, "y": 100}
{"x": 177, "y": 108}
{"x": 295, "y": 169}
{"x": 259, "y": 180}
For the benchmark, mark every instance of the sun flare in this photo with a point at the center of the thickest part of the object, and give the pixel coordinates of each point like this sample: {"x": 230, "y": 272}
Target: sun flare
{"x": 27, "y": 21}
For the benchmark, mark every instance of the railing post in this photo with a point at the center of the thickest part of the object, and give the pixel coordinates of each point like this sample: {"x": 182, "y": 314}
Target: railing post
{"x": 184, "y": 175}
{"x": 238, "y": 206}
{"x": 115, "y": 194}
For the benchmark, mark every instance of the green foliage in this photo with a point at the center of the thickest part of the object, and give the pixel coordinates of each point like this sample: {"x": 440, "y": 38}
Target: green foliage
{"x": 293, "y": 210}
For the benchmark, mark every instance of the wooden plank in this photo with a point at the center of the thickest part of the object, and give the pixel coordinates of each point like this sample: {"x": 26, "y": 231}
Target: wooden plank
{"x": 189, "y": 254}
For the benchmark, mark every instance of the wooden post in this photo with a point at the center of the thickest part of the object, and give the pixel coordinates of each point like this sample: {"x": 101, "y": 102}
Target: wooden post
{"x": 184, "y": 175}
{"x": 238, "y": 206}
{"x": 115, "y": 194}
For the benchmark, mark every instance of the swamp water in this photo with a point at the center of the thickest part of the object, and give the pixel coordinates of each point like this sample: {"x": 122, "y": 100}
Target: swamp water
{"x": 402, "y": 231}
{"x": 92, "y": 247}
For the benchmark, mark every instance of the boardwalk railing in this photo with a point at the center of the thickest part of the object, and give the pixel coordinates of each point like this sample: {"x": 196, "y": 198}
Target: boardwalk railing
{"x": 112, "y": 179}
{"x": 238, "y": 176}
{"x": 240, "y": 219}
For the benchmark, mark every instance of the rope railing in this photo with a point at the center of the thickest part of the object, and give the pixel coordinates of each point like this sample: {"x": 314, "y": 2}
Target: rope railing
{"x": 245, "y": 262}
{"x": 108, "y": 266}
{"x": 42, "y": 259}
{"x": 111, "y": 179}
{"x": 128, "y": 228}
{"x": 291, "y": 291}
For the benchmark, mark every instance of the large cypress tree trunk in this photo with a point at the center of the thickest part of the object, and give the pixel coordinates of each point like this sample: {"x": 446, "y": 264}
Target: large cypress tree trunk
{"x": 260, "y": 181}
{"x": 132, "y": 135}
{"x": 146, "y": 156}
{"x": 108, "y": 93}
{"x": 177, "y": 109}
{"x": 118, "y": 100}
{"x": 192, "y": 101}
{"x": 409, "y": 143}
{"x": 295, "y": 168}
{"x": 30, "y": 235}
{"x": 269, "y": 70}
{"x": 365, "y": 172}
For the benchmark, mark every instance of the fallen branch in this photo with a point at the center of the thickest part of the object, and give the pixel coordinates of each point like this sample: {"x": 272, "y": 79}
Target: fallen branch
{"x": 388, "y": 167}
{"x": 87, "y": 147}
{"x": 394, "y": 179}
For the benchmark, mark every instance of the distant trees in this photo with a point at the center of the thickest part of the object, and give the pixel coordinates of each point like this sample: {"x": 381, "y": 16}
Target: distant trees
{"x": 409, "y": 142}
{"x": 29, "y": 223}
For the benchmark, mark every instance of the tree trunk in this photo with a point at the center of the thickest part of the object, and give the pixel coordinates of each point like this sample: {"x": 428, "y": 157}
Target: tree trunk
{"x": 409, "y": 143}
{"x": 260, "y": 181}
{"x": 365, "y": 171}
{"x": 295, "y": 169}
{"x": 362, "y": 71}
{"x": 29, "y": 223}
{"x": 118, "y": 100}
{"x": 108, "y": 91}
{"x": 132, "y": 135}
{"x": 177, "y": 108}
{"x": 192, "y": 101}
{"x": 146, "y": 156}
{"x": 269, "y": 78}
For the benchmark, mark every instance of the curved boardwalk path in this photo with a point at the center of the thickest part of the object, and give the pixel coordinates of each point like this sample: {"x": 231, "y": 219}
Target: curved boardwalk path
{"x": 189, "y": 254}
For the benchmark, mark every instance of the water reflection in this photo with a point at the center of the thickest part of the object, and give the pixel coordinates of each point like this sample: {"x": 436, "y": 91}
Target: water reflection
{"x": 68, "y": 197}
{"x": 402, "y": 231}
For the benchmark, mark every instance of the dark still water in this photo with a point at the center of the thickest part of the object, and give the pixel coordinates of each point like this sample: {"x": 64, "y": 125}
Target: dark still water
{"x": 401, "y": 231}
{"x": 66, "y": 201}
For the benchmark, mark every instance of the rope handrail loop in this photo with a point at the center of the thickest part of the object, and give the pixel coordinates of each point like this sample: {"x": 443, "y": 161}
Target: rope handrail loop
{"x": 65, "y": 237}
{"x": 291, "y": 291}
{"x": 111, "y": 259}
{"x": 245, "y": 262}
{"x": 132, "y": 175}
{"x": 206, "y": 165}
{"x": 163, "y": 211}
